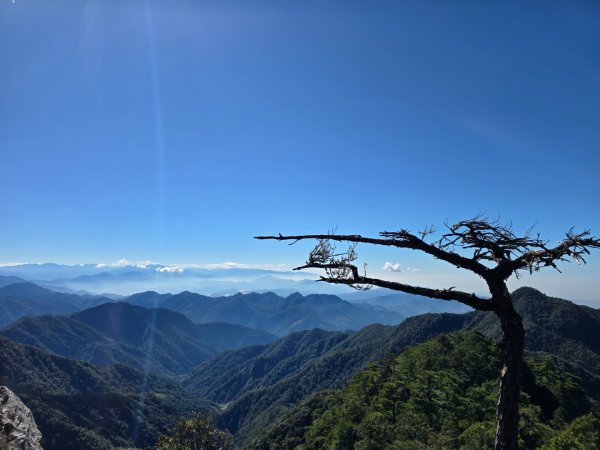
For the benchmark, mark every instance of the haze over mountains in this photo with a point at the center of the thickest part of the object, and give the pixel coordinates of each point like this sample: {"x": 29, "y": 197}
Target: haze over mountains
{"x": 28, "y": 299}
{"x": 114, "y": 282}
{"x": 249, "y": 387}
{"x": 272, "y": 312}
{"x": 267, "y": 311}
{"x": 157, "y": 341}
{"x": 257, "y": 386}
{"x": 127, "y": 278}
{"x": 248, "y": 357}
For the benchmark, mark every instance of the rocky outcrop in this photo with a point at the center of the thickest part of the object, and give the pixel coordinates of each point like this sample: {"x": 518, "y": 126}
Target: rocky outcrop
{"x": 18, "y": 430}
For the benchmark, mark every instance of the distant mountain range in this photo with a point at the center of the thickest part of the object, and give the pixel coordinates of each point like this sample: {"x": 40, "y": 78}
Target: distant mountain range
{"x": 79, "y": 405}
{"x": 270, "y": 311}
{"x": 255, "y": 393}
{"x": 267, "y": 311}
{"x": 127, "y": 278}
{"x": 27, "y": 299}
{"x": 157, "y": 341}
{"x": 117, "y": 282}
{"x": 407, "y": 304}
{"x": 6, "y": 280}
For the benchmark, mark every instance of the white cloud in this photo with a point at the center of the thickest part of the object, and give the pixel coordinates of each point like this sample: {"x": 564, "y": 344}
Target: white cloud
{"x": 396, "y": 267}
{"x": 226, "y": 265}
{"x": 122, "y": 263}
{"x": 390, "y": 267}
{"x": 11, "y": 264}
{"x": 143, "y": 264}
{"x": 125, "y": 262}
{"x": 170, "y": 269}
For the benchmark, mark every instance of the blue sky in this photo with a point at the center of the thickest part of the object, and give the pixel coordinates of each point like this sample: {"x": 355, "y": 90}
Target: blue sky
{"x": 175, "y": 131}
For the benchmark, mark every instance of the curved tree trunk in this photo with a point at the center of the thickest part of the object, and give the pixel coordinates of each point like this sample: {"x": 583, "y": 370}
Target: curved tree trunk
{"x": 507, "y": 411}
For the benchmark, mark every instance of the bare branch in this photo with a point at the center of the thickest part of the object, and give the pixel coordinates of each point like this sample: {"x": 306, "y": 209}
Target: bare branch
{"x": 490, "y": 240}
{"x": 355, "y": 279}
{"x": 572, "y": 248}
{"x": 398, "y": 239}
{"x": 497, "y": 254}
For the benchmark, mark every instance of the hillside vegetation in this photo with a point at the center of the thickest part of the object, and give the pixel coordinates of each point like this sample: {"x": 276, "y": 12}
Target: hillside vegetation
{"x": 439, "y": 394}
{"x": 299, "y": 377}
{"x": 156, "y": 340}
{"x": 255, "y": 398}
{"x": 80, "y": 406}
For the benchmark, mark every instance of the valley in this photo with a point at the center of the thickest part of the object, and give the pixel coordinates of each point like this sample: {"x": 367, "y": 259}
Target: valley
{"x": 141, "y": 363}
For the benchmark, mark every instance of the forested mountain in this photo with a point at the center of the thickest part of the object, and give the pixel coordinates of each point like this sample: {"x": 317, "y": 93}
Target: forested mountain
{"x": 268, "y": 311}
{"x": 80, "y": 406}
{"x": 28, "y": 299}
{"x": 438, "y": 394}
{"x": 5, "y": 280}
{"x": 271, "y": 312}
{"x": 257, "y": 384}
{"x": 223, "y": 336}
{"x": 262, "y": 397}
{"x": 155, "y": 340}
{"x": 66, "y": 336}
{"x": 257, "y": 397}
{"x": 552, "y": 325}
{"x": 233, "y": 373}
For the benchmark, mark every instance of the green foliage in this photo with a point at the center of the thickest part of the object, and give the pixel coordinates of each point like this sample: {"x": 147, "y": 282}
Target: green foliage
{"x": 78, "y": 405}
{"x": 551, "y": 325}
{"x": 582, "y": 434}
{"x": 196, "y": 433}
{"x": 256, "y": 398}
{"x": 163, "y": 342}
{"x": 82, "y": 406}
{"x": 440, "y": 394}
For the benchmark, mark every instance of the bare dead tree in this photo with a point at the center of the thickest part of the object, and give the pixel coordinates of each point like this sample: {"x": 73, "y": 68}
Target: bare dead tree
{"x": 487, "y": 248}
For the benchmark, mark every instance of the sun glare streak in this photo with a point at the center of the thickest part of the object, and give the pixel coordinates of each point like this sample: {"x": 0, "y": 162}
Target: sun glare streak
{"x": 159, "y": 145}
{"x": 158, "y": 123}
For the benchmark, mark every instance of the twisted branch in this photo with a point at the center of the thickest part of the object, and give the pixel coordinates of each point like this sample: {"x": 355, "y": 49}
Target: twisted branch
{"x": 497, "y": 253}
{"x": 354, "y": 279}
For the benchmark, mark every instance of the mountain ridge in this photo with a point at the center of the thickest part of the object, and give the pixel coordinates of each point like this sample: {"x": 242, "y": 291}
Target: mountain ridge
{"x": 279, "y": 315}
{"x": 252, "y": 406}
{"x": 157, "y": 340}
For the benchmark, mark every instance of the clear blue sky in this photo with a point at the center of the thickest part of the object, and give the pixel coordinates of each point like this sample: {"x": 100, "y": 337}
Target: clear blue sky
{"x": 175, "y": 131}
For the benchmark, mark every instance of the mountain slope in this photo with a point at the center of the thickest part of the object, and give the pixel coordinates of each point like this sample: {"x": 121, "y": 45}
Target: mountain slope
{"x": 78, "y": 405}
{"x": 226, "y": 336}
{"x": 228, "y": 375}
{"x": 425, "y": 397}
{"x": 155, "y": 340}
{"x": 269, "y": 311}
{"x": 5, "y": 280}
{"x": 28, "y": 299}
{"x": 552, "y": 325}
{"x": 256, "y": 404}
{"x": 66, "y": 336}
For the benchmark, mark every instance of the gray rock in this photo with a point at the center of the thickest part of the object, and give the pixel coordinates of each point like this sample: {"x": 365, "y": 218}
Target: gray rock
{"x": 18, "y": 430}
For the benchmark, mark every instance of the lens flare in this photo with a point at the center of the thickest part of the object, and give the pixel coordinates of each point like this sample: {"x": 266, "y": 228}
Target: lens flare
{"x": 159, "y": 145}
